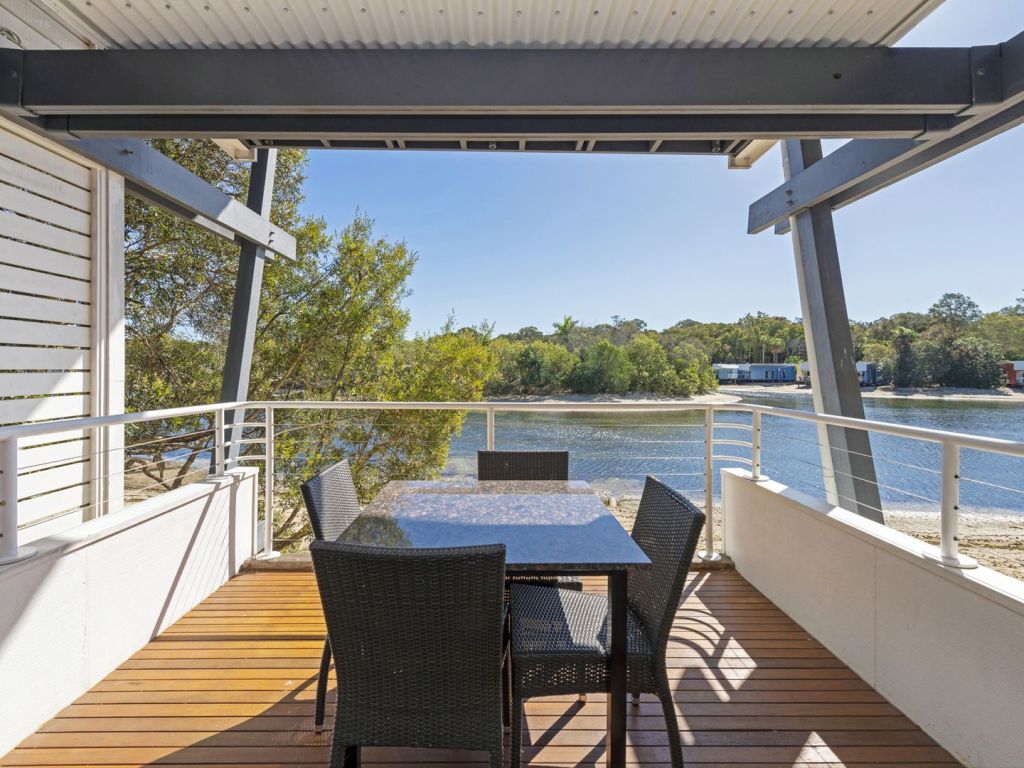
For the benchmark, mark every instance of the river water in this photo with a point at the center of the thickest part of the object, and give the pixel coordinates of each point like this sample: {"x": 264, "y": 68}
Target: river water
{"x": 614, "y": 452}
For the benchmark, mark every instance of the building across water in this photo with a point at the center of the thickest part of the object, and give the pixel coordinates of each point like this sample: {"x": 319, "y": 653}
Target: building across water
{"x": 757, "y": 373}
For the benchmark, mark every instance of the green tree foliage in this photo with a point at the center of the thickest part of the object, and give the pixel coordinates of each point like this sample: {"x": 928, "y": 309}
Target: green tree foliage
{"x": 331, "y": 326}
{"x": 545, "y": 367}
{"x": 901, "y": 368}
{"x": 605, "y": 368}
{"x": 954, "y": 312}
{"x": 1004, "y": 330}
{"x": 506, "y": 378}
{"x": 652, "y": 370}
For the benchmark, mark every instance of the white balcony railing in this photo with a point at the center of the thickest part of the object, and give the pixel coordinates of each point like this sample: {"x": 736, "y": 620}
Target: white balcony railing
{"x": 716, "y": 433}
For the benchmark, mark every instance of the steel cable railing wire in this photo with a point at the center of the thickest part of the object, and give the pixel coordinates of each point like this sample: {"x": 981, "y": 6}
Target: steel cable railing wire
{"x": 41, "y": 466}
{"x": 874, "y": 456}
{"x": 610, "y": 446}
{"x": 895, "y": 489}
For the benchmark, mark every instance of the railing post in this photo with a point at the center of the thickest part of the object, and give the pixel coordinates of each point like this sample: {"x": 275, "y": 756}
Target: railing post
{"x": 709, "y": 553}
{"x": 218, "y": 440}
{"x": 755, "y": 447}
{"x": 10, "y": 552}
{"x": 490, "y": 429}
{"x": 949, "y": 521}
{"x": 950, "y": 501}
{"x": 268, "y": 486}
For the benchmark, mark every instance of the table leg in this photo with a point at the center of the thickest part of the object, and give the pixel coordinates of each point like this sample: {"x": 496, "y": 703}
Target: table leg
{"x": 617, "y": 585}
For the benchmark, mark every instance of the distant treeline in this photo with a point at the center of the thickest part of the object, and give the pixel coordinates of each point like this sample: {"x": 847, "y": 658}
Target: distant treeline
{"x": 953, "y": 344}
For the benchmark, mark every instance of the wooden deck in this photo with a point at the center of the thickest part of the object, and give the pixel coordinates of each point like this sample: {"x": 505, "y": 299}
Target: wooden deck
{"x": 233, "y": 682}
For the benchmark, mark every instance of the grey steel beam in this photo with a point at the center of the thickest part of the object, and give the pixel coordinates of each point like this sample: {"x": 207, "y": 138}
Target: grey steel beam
{"x": 512, "y": 127}
{"x": 863, "y": 166}
{"x": 851, "y": 175}
{"x": 934, "y": 152}
{"x": 468, "y": 81}
{"x": 842, "y": 168}
{"x": 245, "y": 308}
{"x": 174, "y": 208}
{"x": 848, "y": 468}
{"x": 155, "y": 177}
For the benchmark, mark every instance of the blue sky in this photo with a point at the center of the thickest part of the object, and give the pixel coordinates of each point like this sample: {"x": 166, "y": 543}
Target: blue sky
{"x": 523, "y": 239}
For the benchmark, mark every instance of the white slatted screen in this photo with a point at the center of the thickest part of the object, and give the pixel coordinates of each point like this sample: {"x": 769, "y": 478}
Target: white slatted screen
{"x": 55, "y": 273}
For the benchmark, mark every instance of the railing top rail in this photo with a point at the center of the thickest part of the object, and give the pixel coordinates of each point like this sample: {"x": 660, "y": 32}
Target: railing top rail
{"x": 89, "y": 422}
{"x": 962, "y": 440}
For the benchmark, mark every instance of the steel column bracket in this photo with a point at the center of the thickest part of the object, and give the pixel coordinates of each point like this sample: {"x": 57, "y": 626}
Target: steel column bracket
{"x": 12, "y": 80}
{"x": 986, "y": 78}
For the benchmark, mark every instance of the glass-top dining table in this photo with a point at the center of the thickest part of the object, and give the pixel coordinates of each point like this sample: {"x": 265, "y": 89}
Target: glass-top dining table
{"x": 547, "y": 527}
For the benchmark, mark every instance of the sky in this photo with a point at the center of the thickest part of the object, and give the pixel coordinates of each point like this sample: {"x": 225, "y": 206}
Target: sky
{"x": 524, "y": 239}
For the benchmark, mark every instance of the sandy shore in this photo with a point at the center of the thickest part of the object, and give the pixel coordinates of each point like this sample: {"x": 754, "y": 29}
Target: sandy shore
{"x": 630, "y": 397}
{"x": 1002, "y": 395}
{"x": 995, "y": 540}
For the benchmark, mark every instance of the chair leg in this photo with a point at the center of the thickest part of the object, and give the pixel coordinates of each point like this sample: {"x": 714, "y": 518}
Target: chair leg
{"x": 668, "y": 707}
{"x": 516, "y": 742}
{"x": 321, "y": 687}
{"x": 506, "y": 692}
{"x": 636, "y": 698}
{"x": 344, "y": 755}
{"x": 583, "y": 698}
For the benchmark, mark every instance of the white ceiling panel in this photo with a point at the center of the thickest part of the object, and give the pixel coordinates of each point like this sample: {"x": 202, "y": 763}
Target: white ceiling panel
{"x": 484, "y": 23}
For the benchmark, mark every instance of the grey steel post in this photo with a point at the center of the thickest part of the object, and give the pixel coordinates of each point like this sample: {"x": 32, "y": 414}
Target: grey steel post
{"x": 242, "y": 334}
{"x": 848, "y": 468}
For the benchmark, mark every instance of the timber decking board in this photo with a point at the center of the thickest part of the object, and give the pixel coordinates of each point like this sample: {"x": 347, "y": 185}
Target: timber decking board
{"x": 232, "y": 683}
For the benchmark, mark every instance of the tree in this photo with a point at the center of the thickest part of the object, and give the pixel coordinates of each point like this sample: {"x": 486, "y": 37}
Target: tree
{"x": 567, "y": 332}
{"x": 505, "y": 379}
{"x": 545, "y": 367}
{"x": 652, "y": 370}
{"x": 972, "y": 362}
{"x": 955, "y": 311}
{"x": 1005, "y": 330}
{"x": 605, "y": 368}
{"x": 901, "y": 368}
{"x": 529, "y": 333}
{"x": 331, "y": 326}
{"x": 564, "y": 328}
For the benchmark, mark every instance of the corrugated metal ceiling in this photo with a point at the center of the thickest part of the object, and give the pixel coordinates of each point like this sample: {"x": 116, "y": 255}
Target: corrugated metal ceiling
{"x": 488, "y": 23}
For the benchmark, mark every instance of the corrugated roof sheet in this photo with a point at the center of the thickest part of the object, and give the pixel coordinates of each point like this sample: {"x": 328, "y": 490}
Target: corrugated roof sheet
{"x": 488, "y": 23}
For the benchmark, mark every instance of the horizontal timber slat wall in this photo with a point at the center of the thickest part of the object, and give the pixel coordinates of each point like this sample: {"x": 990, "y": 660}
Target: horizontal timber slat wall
{"x": 57, "y": 218}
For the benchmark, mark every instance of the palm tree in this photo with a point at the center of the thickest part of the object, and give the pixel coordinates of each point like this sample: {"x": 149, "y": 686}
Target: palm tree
{"x": 566, "y": 327}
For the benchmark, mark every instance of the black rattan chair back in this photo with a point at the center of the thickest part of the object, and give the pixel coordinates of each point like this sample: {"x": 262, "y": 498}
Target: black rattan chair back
{"x": 331, "y": 501}
{"x": 667, "y": 528}
{"x": 417, "y": 641}
{"x": 522, "y": 465}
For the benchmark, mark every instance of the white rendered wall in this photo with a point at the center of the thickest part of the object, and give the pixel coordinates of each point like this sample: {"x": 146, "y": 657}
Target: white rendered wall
{"x": 943, "y": 645}
{"x": 96, "y": 594}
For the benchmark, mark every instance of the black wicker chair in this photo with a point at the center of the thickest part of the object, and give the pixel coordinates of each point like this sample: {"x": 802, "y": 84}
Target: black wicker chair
{"x": 418, "y": 646}
{"x": 560, "y": 642}
{"x": 528, "y": 465}
{"x": 522, "y": 465}
{"x": 332, "y": 505}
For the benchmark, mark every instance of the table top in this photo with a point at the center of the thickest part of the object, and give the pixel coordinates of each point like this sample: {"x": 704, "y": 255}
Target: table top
{"x": 544, "y": 525}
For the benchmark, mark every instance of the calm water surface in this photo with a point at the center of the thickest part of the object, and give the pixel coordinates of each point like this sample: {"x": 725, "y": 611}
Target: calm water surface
{"x": 614, "y": 452}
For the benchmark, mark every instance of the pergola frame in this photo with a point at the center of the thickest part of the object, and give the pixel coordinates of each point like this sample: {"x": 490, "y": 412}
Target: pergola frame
{"x": 707, "y": 100}
{"x": 904, "y": 108}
